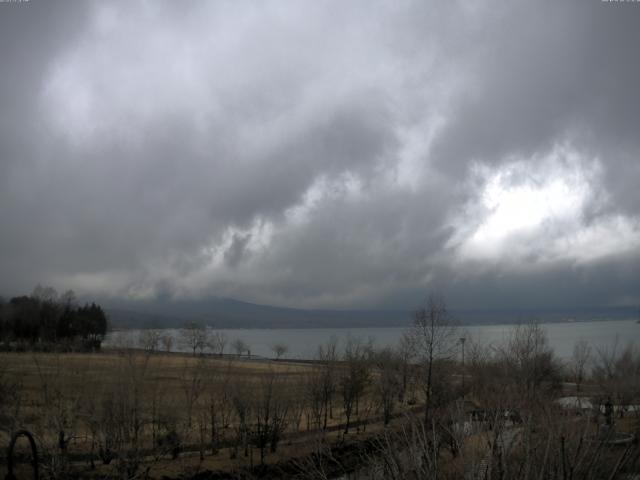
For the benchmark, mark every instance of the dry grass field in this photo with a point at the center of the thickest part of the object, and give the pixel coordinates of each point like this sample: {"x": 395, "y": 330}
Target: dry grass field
{"x": 92, "y": 408}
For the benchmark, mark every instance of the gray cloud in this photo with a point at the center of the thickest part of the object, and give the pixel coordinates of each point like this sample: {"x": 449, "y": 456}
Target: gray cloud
{"x": 322, "y": 155}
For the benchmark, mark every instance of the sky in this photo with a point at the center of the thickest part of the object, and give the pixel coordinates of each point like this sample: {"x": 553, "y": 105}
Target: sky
{"x": 322, "y": 154}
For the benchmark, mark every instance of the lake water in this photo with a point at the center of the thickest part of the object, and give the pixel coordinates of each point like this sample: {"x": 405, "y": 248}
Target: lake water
{"x": 303, "y": 343}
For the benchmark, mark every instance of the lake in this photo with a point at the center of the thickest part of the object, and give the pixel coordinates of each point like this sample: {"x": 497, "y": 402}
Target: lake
{"x": 303, "y": 343}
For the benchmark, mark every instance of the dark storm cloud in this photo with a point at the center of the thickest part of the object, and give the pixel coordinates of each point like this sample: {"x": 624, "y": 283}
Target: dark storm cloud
{"x": 323, "y": 155}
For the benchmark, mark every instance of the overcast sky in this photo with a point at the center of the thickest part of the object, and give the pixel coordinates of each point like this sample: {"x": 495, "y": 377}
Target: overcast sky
{"x": 324, "y": 154}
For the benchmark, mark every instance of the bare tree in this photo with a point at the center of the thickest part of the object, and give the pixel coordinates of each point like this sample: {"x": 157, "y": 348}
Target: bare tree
{"x": 11, "y": 401}
{"x": 529, "y": 360}
{"x": 119, "y": 417}
{"x": 279, "y": 349}
{"x": 156, "y": 402}
{"x": 167, "y": 343}
{"x": 270, "y": 411}
{"x": 315, "y": 398}
{"x": 218, "y": 393}
{"x": 485, "y": 374}
{"x": 149, "y": 340}
{"x": 68, "y": 299}
{"x": 59, "y": 411}
{"x": 618, "y": 373}
{"x": 241, "y": 399}
{"x": 194, "y": 337}
{"x": 434, "y": 337}
{"x": 218, "y": 342}
{"x": 604, "y": 363}
{"x": 239, "y": 346}
{"x": 328, "y": 356}
{"x": 405, "y": 354}
{"x": 579, "y": 361}
{"x": 192, "y": 384}
{"x": 628, "y": 377}
{"x": 387, "y": 381}
{"x": 45, "y": 294}
{"x": 298, "y": 402}
{"x": 354, "y": 378}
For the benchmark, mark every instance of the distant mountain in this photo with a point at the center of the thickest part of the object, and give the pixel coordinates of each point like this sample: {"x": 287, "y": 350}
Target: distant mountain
{"x": 229, "y": 313}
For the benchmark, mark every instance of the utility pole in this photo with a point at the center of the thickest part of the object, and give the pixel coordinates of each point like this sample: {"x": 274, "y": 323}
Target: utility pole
{"x": 462, "y": 340}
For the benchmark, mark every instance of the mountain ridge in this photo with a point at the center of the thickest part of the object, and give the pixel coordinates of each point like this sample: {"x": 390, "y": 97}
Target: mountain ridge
{"x": 231, "y": 313}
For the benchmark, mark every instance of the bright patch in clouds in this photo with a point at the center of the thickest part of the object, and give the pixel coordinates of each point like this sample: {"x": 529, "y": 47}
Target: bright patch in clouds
{"x": 533, "y": 211}
{"x": 608, "y": 237}
{"x": 523, "y": 208}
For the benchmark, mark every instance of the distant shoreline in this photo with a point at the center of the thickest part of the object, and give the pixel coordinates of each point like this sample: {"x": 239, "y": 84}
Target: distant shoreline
{"x": 350, "y": 327}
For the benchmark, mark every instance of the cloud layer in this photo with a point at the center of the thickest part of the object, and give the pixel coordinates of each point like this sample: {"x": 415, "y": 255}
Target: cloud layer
{"x": 322, "y": 154}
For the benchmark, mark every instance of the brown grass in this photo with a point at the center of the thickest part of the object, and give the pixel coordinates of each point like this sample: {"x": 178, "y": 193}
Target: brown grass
{"x": 76, "y": 379}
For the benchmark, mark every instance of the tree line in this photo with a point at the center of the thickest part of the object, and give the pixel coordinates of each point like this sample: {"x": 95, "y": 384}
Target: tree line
{"x": 46, "y": 320}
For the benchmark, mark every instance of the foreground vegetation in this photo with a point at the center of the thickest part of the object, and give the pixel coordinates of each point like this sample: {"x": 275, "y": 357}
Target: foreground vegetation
{"x": 415, "y": 411}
